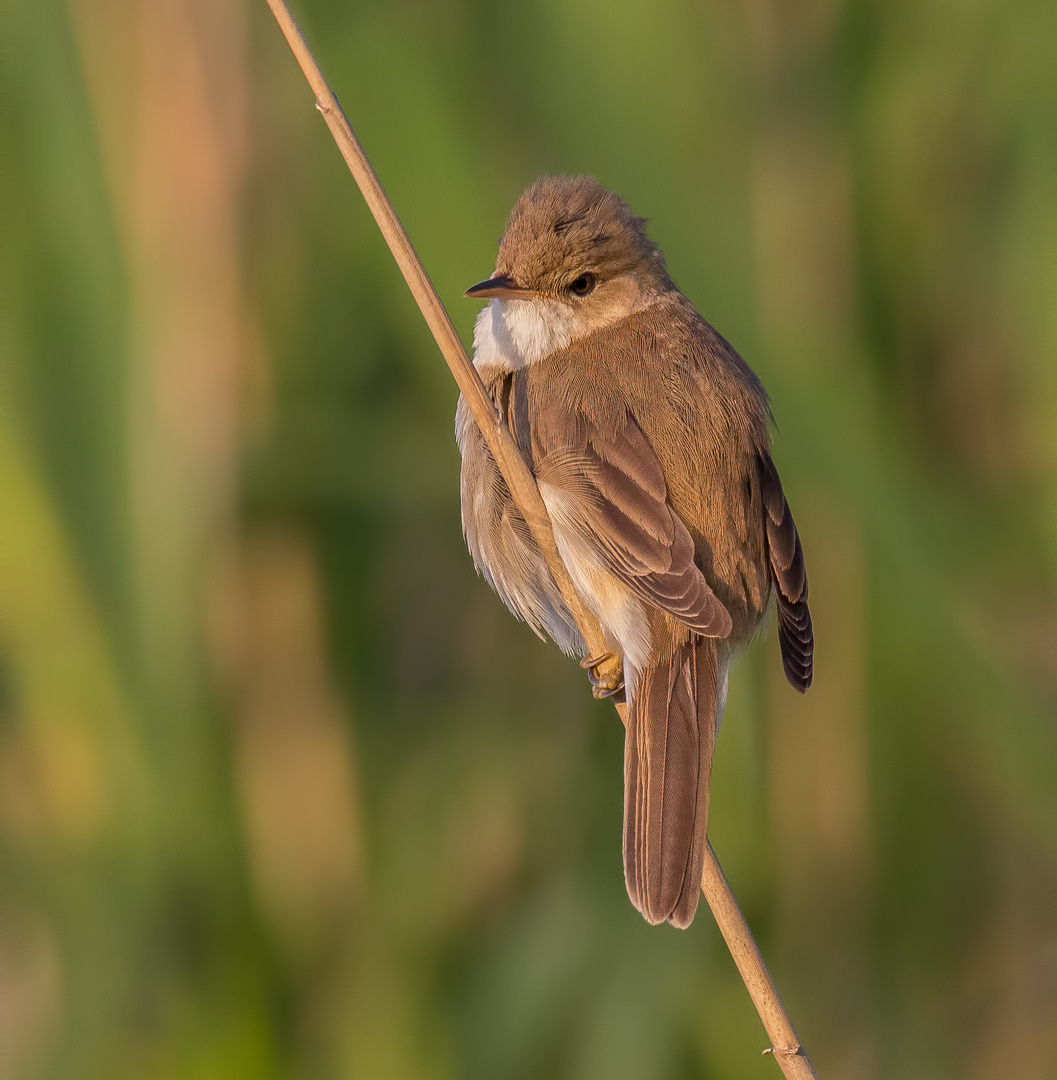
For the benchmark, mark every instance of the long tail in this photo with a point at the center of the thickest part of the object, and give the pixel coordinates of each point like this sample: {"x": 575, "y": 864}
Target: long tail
{"x": 667, "y": 766}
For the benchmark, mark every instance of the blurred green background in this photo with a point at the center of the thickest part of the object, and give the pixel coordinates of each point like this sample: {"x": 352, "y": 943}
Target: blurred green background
{"x": 284, "y": 790}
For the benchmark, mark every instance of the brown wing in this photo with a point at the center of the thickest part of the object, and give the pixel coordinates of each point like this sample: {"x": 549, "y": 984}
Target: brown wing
{"x": 620, "y": 507}
{"x": 789, "y": 576}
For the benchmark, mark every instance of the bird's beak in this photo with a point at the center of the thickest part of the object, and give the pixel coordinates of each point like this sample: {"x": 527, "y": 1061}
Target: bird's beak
{"x": 501, "y": 286}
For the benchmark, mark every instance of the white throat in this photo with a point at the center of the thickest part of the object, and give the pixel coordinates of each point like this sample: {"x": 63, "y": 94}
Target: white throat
{"x": 512, "y": 334}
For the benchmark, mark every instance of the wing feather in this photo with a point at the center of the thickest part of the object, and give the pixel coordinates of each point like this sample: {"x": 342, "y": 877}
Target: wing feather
{"x": 620, "y": 507}
{"x": 795, "y": 635}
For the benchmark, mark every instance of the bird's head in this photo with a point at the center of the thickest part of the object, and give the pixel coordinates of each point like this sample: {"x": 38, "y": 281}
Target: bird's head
{"x": 575, "y": 256}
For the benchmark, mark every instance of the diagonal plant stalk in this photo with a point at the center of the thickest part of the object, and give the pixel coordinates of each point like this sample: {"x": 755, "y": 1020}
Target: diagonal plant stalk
{"x": 785, "y": 1045}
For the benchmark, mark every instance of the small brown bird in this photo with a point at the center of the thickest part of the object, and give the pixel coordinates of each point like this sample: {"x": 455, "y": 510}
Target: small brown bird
{"x": 648, "y": 436}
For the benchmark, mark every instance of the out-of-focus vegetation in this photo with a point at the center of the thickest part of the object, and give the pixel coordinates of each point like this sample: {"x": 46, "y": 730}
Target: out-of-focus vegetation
{"x": 284, "y": 790}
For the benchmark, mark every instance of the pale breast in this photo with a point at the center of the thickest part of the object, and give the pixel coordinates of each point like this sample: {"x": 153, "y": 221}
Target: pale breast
{"x": 500, "y": 543}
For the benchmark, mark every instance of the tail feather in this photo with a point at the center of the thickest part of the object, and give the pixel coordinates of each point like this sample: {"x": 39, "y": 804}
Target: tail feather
{"x": 667, "y": 766}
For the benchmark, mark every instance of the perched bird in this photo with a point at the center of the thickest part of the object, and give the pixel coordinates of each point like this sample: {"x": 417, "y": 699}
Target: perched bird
{"x": 648, "y": 437}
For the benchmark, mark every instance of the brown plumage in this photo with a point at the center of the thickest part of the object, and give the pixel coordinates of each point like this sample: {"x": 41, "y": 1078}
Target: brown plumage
{"x": 648, "y": 436}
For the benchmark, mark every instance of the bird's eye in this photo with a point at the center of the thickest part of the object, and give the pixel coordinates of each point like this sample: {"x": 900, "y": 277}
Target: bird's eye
{"x": 583, "y": 284}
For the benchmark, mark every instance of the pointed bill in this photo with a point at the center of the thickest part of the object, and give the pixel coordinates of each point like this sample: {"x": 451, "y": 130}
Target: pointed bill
{"x": 502, "y": 287}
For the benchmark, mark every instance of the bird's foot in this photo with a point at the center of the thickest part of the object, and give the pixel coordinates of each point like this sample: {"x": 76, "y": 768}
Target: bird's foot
{"x": 606, "y": 673}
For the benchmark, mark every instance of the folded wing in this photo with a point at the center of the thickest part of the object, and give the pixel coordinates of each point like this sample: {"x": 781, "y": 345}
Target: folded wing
{"x": 619, "y": 506}
{"x": 789, "y": 575}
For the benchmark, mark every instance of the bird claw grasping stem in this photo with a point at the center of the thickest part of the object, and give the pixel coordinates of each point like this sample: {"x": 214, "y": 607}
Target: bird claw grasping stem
{"x": 606, "y": 673}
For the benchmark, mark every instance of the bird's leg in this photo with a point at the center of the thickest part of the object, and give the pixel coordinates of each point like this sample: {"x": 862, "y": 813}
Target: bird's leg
{"x": 606, "y": 673}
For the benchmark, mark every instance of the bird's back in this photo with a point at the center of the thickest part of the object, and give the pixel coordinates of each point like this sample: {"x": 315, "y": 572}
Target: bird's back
{"x": 701, "y": 409}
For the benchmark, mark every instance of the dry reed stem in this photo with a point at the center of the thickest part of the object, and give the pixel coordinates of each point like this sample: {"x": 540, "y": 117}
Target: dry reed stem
{"x": 784, "y": 1043}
